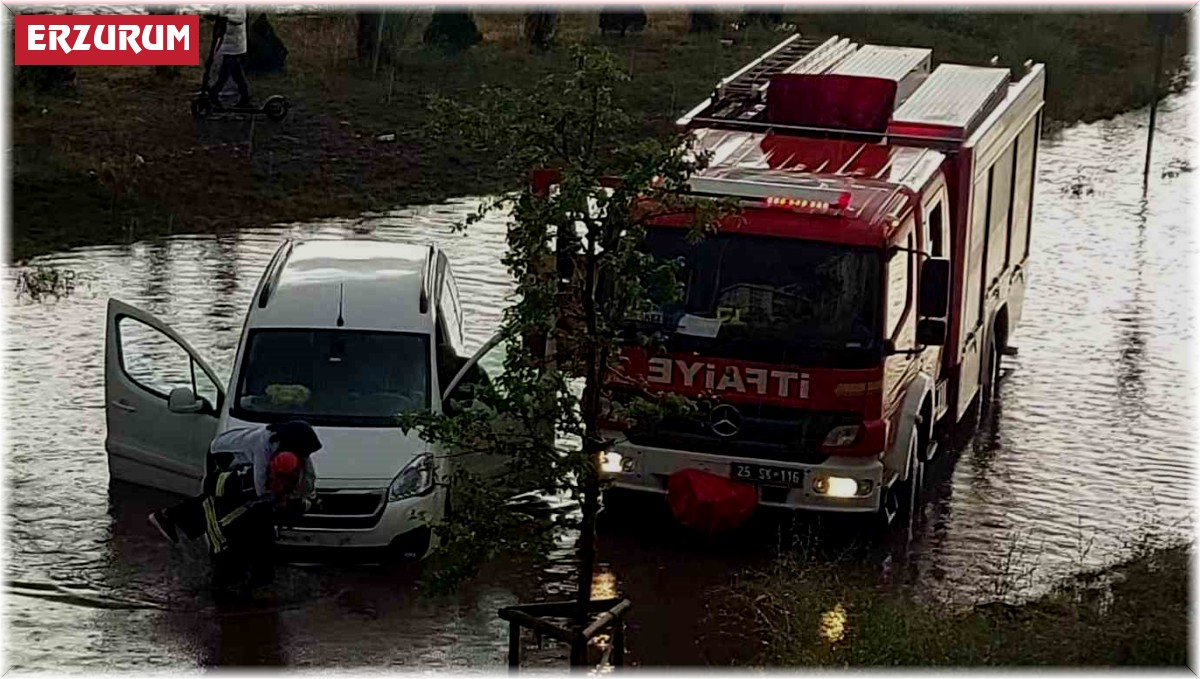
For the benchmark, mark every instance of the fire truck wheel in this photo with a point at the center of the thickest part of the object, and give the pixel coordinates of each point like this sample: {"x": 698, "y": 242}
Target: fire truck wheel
{"x": 900, "y": 507}
{"x": 927, "y": 445}
{"x": 910, "y": 498}
{"x": 991, "y": 385}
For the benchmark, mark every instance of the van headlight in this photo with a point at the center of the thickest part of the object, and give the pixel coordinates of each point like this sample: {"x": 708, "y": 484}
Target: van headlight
{"x": 415, "y": 479}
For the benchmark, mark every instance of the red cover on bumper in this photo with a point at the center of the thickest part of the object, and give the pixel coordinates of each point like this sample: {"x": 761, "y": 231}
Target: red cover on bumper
{"x": 708, "y": 502}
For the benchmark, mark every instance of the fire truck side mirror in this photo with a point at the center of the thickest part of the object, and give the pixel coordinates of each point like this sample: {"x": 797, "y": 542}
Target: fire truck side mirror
{"x": 935, "y": 288}
{"x": 931, "y": 332}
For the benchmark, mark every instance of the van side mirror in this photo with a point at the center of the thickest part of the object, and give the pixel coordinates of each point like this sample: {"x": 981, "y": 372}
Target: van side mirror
{"x": 931, "y": 332}
{"x": 183, "y": 401}
{"x": 935, "y": 288}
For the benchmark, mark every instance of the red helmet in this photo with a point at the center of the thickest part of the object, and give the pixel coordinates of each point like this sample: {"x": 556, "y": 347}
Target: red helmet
{"x": 285, "y": 472}
{"x": 284, "y": 462}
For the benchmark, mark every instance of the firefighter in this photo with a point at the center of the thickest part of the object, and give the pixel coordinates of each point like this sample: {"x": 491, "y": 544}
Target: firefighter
{"x": 251, "y": 447}
{"x": 239, "y": 523}
{"x": 245, "y": 458}
{"x": 254, "y": 445}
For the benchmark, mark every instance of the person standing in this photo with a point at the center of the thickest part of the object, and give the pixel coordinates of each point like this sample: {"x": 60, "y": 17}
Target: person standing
{"x": 229, "y": 45}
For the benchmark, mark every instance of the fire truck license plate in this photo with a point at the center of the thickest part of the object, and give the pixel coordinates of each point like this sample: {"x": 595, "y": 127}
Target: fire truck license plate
{"x": 768, "y": 476}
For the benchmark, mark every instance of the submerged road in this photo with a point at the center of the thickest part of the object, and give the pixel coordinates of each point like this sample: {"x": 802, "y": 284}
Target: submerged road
{"x": 1089, "y": 451}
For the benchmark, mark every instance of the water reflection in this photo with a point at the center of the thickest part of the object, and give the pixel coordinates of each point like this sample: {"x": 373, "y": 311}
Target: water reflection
{"x": 604, "y": 585}
{"x": 1132, "y": 340}
{"x": 1088, "y": 444}
{"x": 222, "y": 252}
{"x": 159, "y": 270}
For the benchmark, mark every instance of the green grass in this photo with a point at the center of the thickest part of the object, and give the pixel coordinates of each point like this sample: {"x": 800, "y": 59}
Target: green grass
{"x": 78, "y": 178}
{"x": 808, "y": 613}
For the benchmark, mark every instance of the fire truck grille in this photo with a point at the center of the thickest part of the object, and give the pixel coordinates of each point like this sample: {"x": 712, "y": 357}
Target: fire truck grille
{"x": 762, "y": 432}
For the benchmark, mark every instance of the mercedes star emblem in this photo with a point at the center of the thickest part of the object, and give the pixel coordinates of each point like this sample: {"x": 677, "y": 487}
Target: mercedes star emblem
{"x": 725, "y": 420}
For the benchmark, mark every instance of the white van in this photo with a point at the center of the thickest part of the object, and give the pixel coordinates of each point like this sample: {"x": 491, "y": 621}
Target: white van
{"x": 342, "y": 334}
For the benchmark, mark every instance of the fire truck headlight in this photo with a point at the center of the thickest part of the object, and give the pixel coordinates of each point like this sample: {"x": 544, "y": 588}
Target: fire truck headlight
{"x": 838, "y": 486}
{"x": 611, "y": 463}
{"x": 842, "y": 436}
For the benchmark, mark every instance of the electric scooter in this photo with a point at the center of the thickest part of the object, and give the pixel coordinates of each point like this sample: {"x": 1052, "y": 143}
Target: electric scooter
{"x": 275, "y": 107}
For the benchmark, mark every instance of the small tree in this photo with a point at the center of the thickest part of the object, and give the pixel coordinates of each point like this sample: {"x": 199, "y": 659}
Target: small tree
{"x": 367, "y": 38}
{"x": 575, "y": 254}
{"x": 767, "y": 17}
{"x": 453, "y": 30}
{"x": 381, "y": 37}
{"x": 622, "y": 20}
{"x": 540, "y": 26}
{"x": 702, "y": 21}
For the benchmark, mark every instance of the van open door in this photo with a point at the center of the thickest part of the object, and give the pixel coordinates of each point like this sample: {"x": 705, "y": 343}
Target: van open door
{"x": 485, "y": 365}
{"x": 161, "y": 403}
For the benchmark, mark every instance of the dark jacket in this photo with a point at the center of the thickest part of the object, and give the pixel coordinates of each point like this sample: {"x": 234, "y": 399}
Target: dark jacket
{"x": 234, "y": 513}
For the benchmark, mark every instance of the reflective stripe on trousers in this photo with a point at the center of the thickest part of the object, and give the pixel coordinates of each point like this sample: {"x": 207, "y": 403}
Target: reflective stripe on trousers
{"x": 213, "y": 525}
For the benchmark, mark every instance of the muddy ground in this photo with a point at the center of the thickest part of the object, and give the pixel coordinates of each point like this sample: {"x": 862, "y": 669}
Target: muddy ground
{"x": 116, "y": 157}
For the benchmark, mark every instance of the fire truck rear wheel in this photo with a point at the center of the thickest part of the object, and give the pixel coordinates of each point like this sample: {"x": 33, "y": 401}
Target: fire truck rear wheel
{"x": 991, "y": 386}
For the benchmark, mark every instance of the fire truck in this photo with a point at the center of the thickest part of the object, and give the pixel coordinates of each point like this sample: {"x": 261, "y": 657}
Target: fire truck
{"x": 858, "y": 304}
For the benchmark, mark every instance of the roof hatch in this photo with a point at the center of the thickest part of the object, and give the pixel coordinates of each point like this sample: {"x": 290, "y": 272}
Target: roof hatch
{"x": 952, "y": 102}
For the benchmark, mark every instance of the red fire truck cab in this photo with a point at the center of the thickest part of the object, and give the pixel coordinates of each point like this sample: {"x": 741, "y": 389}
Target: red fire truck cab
{"x": 859, "y": 302}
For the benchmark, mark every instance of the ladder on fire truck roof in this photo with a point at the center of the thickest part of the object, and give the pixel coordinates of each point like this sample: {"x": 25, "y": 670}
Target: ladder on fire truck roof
{"x": 967, "y": 94}
{"x": 741, "y": 96}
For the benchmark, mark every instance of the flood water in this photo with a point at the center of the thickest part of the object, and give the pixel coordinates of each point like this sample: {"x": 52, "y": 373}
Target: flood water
{"x": 1090, "y": 447}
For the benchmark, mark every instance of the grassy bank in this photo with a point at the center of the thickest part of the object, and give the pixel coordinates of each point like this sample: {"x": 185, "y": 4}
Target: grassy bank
{"x": 117, "y": 157}
{"x": 816, "y": 614}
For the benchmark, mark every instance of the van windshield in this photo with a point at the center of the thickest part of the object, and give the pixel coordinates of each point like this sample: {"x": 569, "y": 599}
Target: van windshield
{"x": 333, "y": 377}
{"x": 766, "y": 298}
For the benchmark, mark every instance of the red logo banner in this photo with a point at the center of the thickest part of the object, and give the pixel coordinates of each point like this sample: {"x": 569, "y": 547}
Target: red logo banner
{"x": 107, "y": 40}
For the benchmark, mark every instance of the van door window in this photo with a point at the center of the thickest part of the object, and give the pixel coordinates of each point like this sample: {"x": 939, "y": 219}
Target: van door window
{"x": 451, "y": 313}
{"x": 155, "y": 362}
{"x": 481, "y": 376}
{"x": 452, "y": 288}
{"x": 204, "y": 387}
{"x": 449, "y": 361}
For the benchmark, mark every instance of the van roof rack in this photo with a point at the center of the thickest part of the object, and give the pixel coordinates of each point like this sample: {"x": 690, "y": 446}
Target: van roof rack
{"x": 274, "y": 270}
{"x": 427, "y": 278}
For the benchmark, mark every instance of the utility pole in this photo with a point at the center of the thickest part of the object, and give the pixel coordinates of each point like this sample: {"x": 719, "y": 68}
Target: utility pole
{"x": 1160, "y": 22}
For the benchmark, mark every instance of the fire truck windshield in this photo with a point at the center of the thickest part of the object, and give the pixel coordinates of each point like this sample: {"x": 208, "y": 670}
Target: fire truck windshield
{"x": 769, "y": 298}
